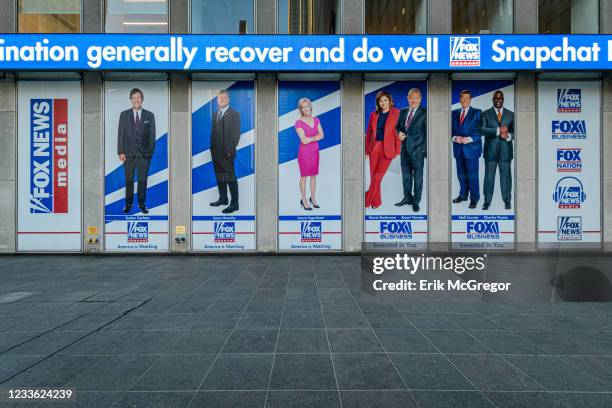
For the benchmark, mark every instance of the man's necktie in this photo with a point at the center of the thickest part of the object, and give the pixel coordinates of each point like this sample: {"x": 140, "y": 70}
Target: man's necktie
{"x": 499, "y": 115}
{"x": 409, "y": 120}
{"x": 219, "y": 115}
{"x": 462, "y": 118}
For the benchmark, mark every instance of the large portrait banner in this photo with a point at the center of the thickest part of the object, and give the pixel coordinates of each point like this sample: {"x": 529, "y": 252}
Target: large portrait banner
{"x": 136, "y": 166}
{"x": 49, "y": 166}
{"x": 482, "y": 141}
{"x": 310, "y": 166}
{"x": 223, "y": 165}
{"x": 395, "y": 166}
{"x": 569, "y": 163}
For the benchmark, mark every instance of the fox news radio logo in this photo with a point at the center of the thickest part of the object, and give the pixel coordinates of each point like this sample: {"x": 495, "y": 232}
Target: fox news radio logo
{"x": 138, "y": 231}
{"x": 569, "y": 160}
{"x": 395, "y": 230}
{"x": 482, "y": 230}
{"x": 569, "y": 193}
{"x": 49, "y": 156}
{"x": 225, "y": 231}
{"x": 569, "y": 100}
{"x": 569, "y": 228}
{"x": 310, "y": 231}
{"x": 569, "y": 129}
{"x": 464, "y": 51}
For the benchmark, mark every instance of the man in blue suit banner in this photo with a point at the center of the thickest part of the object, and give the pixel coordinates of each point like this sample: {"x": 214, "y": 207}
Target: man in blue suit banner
{"x": 467, "y": 148}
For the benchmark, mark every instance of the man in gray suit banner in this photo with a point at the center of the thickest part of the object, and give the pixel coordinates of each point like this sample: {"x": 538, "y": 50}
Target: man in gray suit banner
{"x": 497, "y": 125}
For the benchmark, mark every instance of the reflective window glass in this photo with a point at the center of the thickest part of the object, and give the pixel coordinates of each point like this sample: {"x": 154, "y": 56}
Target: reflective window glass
{"x": 49, "y": 16}
{"x": 308, "y": 17}
{"x": 568, "y": 16}
{"x": 482, "y": 16}
{"x": 136, "y": 16}
{"x": 395, "y": 16}
{"x": 222, "y": 17}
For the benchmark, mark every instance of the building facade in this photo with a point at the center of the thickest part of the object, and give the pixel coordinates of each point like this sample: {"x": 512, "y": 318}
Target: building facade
{"x": 270, "y": 91}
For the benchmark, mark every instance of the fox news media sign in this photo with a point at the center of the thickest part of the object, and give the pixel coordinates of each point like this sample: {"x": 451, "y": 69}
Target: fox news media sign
{"x": 569, "y": 165}
{"x": 49, "y": 155}
{"x": 252, "y": 53}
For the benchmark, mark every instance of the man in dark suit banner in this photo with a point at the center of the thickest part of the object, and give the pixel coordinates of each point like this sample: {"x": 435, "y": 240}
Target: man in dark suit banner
{"x": 412, "y": 131}
{"x": 135, "y": 147}
{"x": 467, "y": 148}
{"x": 224, "y": 138}
{"x": 497, "y": 126}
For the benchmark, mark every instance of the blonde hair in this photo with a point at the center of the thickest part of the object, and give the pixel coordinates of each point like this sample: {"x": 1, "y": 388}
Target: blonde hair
{"x": 299, "y": 105}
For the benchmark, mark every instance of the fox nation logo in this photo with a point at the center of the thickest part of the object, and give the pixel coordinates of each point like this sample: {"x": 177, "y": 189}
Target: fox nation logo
{"x": 482, "y": 230}
{"x": 310, "y": 231}
{"x": 569, "y": 100}
{"x": 464, "y": 51}
{"x": 395, "y": 230}
{"x": 569, "y": 193}
{"x": 569, "y": 160}
{"x": 568, "y": 129}
{"x": 138, "y": 231}
{"x": 225, "y": 231}
{"x": 569, "y": 228}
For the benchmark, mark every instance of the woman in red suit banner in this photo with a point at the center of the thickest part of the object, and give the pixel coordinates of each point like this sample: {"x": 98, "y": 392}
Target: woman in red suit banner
{"x": 309, "y": 131}
{"x": 382, "y": 144}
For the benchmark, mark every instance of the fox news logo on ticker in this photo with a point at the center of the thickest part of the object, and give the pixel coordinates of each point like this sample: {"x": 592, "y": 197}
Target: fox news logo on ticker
{"x": 569, "y": 100}
{"x": 138, "y": 231}
{"x": 48, "y": 156}
{"x": 569, "y": 228}
{"x": 225, "y": 231}
{"x": 310, "y": 231}
{"x": 464, "y": 51}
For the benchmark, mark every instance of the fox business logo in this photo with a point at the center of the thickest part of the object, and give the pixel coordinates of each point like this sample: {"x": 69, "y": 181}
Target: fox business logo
{"x": 138, "y": 231}
{"x": 569, "y": 160}
{"x": 569, "y": 193}
{"x": 569, "y": 100}
{"x": 569, "y": 129}
{"x": 310, "y": 231}
{"x": 395, "y": 230}
{"x": 464, "y": 51}
{"x": 482, "y": 230}
{"x": 225, "y": 231}
{"x": 569, "y": 228}
{"x": 49, "y": 156}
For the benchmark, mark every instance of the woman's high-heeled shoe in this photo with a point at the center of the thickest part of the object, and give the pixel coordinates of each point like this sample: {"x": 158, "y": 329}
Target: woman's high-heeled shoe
{"x": 313, "y": 204}
{"x": 304, "y": 207}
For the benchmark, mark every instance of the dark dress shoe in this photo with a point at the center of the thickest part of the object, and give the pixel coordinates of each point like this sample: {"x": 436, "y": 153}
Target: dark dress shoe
{"x": 232, "y": 208}
{"x": 311, "y": 203}
{"x": 405, "y": 201}
{"x": 459, "y": 199}
{"x": 218, "y": 203}
{"x": 415, "y": 207}
{"x": 127, "y": 208}
{"x": 306, "y": 208}
{"x": 486, "y": 206}
{"x": 507, "y": 206}
{"x": 473, "y": 204}
{"x": 144, "y": 209}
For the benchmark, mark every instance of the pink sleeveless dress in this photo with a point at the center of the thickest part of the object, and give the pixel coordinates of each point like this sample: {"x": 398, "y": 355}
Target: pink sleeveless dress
{"x": 308, "y": 154}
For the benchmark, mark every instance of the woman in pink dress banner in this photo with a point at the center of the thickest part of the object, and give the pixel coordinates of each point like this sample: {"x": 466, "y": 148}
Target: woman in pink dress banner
{"x": 309, "y": 131}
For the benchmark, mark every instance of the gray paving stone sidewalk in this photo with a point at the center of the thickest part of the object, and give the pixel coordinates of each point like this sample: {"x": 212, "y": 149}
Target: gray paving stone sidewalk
{"x": 283, "y": 331}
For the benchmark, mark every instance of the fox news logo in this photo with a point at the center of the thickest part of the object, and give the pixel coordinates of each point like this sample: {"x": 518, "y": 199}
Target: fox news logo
{"x": 225, "y": 231}
{"x": 464, "y": 51}
{"x": 49, "y": 156}
{"x": 482, "y": 230}
{"x": 569, "y": 100}
{"x": 569, "y": 228}
{"x": 311, "y": 231}
{"x": 569, "y": 193}
{"x": 138, "y": 231}
{"x": 395, "y": 230}
{"x": 569, "y": 160}
{"x": 569, "y": 129}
